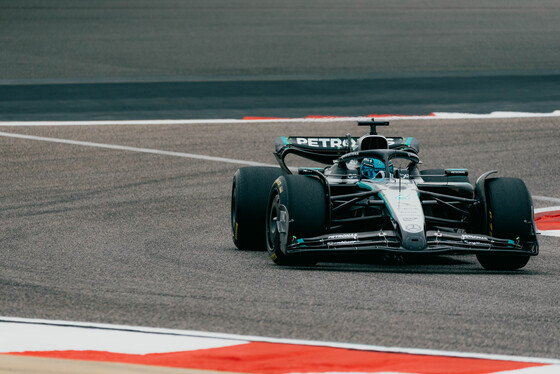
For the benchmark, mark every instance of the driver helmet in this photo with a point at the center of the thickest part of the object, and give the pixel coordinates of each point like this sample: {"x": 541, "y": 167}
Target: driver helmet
{"x": 372, "y": 168}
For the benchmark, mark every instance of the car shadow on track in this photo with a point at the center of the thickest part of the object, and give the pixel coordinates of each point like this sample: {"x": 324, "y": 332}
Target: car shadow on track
{"x": 410, "y": 265}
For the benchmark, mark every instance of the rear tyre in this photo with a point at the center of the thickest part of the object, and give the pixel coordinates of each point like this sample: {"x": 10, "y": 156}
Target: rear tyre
{"x": 510, "y": 214}
{"x": 249, "y": 198}
{"x": 297, "y": 208}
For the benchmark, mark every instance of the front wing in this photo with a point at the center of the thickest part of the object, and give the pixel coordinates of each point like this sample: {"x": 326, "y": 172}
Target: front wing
{"x": 389, "y": 241}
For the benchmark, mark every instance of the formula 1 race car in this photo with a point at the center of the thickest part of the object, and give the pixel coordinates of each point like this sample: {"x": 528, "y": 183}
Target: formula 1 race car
{"x": 372, "y": 198}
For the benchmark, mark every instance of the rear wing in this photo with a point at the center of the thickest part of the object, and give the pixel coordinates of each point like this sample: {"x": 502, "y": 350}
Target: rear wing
{"x": 325, "y": 150}
{"x": 321, "y": 149}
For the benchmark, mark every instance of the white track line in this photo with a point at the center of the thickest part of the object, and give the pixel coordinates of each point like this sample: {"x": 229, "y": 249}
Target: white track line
{"x": 553, "y": 369}
{"x": 436, "y": 115}
{"x": 442, "y": 115}
{"x": 555, "y": 233}
{"x": 240, "y": 339}
{"x": 548, "y": 208}
{"x": 25, "y": 337}
{"x": 134, "y": 149}
{"x": 166, "y": 153}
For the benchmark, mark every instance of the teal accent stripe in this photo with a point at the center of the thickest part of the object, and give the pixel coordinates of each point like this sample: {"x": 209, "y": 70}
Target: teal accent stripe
{"x": 364, "y": 186}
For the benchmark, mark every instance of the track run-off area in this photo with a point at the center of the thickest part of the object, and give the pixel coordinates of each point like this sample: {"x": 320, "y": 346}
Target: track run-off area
{"x": 128, "y": 223}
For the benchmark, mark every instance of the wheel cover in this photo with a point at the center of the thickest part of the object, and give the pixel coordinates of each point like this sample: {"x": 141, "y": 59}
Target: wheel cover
{"x": 277, "y": 226}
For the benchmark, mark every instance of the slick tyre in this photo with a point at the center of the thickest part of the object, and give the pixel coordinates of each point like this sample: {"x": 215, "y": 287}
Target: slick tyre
{"x": 297, "y": 208}
{"x": 510, "y": 214}
{"x": 249, "y": 198}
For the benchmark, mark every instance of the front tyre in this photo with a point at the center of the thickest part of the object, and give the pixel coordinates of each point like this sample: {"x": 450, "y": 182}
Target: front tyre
{"x": 249, "y": 198}
{"x": 297, "y": 208}
{"x": 510, "y": 216}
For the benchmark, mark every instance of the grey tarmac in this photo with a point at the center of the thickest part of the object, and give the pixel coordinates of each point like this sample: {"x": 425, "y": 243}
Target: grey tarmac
{"x": 116, "y": 236}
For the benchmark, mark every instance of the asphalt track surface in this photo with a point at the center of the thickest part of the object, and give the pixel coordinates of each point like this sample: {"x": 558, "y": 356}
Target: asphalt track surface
{"x": 115, "y": 236}
{"x": 124, "y": 237}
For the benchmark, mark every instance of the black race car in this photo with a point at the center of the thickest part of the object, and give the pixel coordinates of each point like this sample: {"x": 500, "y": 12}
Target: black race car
{"x": 372, "y": 198}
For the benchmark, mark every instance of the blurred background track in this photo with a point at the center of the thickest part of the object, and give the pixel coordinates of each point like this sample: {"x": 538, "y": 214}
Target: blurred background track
{"x": 217, "y": 59}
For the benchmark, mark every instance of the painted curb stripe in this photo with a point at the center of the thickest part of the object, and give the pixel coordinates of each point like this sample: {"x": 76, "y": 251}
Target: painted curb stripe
{"x": 275, "y": 358}
{"x": 86, "y": 327}
{"x": 236, "y": 353}
{"x": 548, "y": 221}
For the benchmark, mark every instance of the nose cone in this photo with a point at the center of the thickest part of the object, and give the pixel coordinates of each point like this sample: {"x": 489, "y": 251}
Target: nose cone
{"x": 414, "y": 242}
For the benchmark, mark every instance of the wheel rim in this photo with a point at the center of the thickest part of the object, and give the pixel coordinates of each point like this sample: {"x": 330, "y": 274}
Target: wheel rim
{"x": 272, "y": 238}
{"x": 277, "y": 225}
